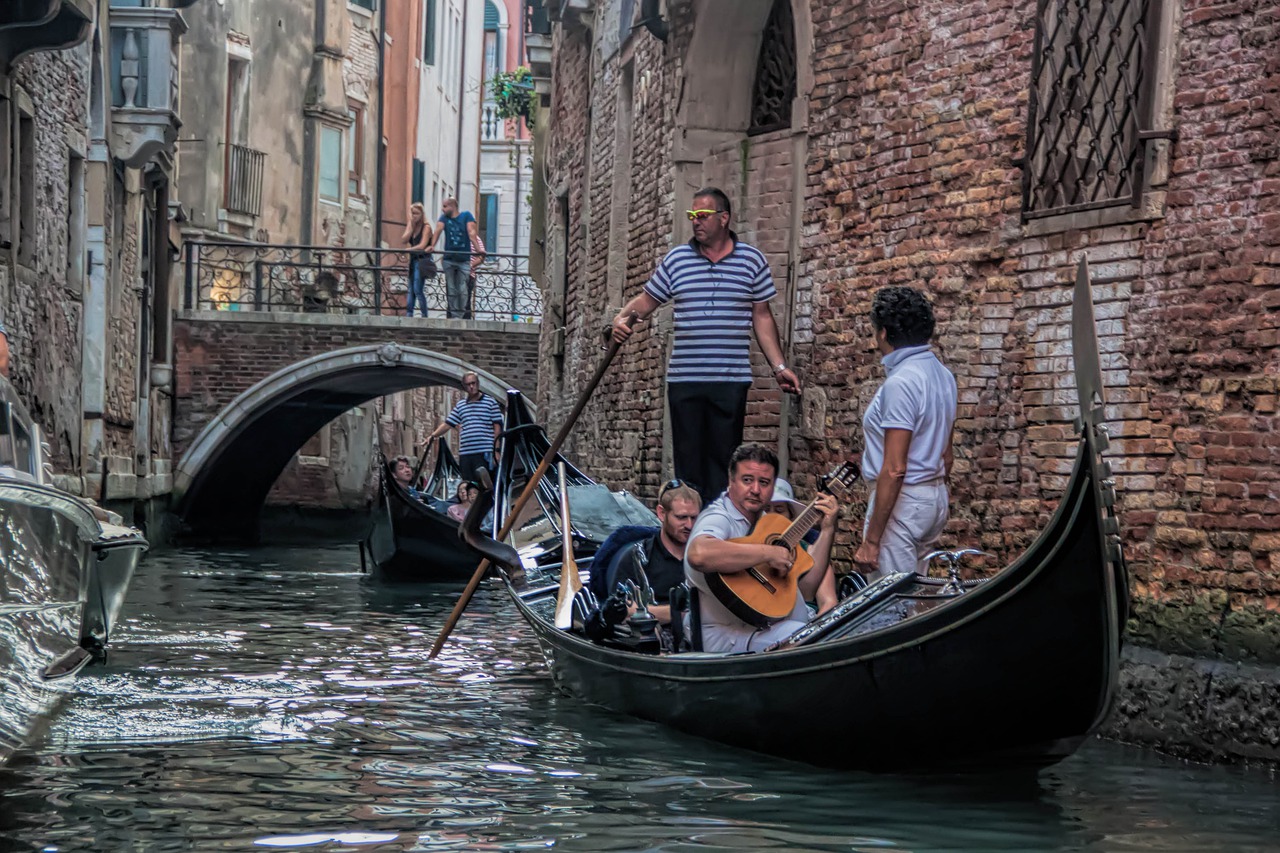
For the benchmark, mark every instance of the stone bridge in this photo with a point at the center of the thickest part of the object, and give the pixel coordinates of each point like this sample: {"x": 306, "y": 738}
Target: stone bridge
{"x": 251, "y": 387}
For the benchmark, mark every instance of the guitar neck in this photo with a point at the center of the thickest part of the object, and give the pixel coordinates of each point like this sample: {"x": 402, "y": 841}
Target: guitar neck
{"x": 803, "y": 523}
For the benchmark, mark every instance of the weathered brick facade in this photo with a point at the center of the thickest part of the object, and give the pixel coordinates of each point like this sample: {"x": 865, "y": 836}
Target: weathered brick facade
{"x": 911, "y": 118}
{"x": 218, "y": 358}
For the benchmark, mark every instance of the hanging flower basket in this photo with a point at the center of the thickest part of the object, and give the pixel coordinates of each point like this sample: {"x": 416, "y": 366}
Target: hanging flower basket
{"x": 512, "y": 93}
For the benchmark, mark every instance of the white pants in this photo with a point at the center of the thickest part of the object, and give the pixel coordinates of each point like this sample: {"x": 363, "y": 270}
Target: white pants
{"x": 917, "y": 521}
{"x": 738, "y": 637}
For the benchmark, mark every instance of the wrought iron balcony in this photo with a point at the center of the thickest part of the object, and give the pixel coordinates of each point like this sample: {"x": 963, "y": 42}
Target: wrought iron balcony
{"x": 242, "y": 181}
{"x": 30, "y": 25}
{"x": 144, "y": 82}
{"x": 346, "y": 280}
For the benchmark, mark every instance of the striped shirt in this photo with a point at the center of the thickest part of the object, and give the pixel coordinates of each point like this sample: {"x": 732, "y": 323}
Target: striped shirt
{"x": 713, "y": 310}
{"x": 476, "y": 420}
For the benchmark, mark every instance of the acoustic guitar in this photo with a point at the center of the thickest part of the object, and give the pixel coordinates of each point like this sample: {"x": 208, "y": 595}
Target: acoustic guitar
{"x": 760, "y": 596}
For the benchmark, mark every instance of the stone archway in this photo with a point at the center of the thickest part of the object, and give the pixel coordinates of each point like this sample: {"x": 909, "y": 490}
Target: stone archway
{"x": 225, "y": 474}
{"x": 763, "y": 173}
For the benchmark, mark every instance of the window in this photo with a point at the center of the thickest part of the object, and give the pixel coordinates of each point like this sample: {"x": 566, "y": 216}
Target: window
{"x": 419, "y": 181}
{"x": 25, "y": 192}
{"x": 774, "y": 89}
{"x": 429, "y": 33}
{"x": 6, "y": 165}
{"x": 492, "y": 55}
{"x": 355, "y": 149}
{"x": 371, "y": 5}
{"x": 237, "y": 129}
{"x": 75, "y": 222}
{"x": 487, "y": 224}
{"x": 330, "y": 183}
{"x": 1090, "y": 106}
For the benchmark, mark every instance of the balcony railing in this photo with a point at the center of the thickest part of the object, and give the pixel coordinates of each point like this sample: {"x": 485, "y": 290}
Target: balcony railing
{"x": 243, "y": 180}
{"x": 493, "y": 128}
{"x": 225, "y": 276}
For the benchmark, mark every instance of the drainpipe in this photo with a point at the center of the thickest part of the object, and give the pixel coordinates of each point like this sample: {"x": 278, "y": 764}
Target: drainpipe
{"x": 382, "y": 148}
{"x": 462, "y": 92}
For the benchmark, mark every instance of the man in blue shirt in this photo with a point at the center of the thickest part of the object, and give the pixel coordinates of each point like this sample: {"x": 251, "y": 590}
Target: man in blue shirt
{"x": 463, "y": 252}
{"x": 720, "y": 288}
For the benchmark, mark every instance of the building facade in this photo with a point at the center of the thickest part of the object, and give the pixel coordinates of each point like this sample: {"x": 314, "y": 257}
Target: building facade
{"x": 978, "y": 153}
{"x": 88, "y": 125}
{"x": 502, "y": 210}
{"x": 447, "y": 162}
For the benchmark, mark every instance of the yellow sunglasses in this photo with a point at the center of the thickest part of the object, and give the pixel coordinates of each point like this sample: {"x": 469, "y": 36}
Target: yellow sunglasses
{"x": 700, "y": 215}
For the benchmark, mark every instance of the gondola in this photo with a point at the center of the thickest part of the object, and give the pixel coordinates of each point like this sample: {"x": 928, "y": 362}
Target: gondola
{"x": 1014, "y": 671}
{"x": 414, "y": 540}
{"x": 63, "y": 577}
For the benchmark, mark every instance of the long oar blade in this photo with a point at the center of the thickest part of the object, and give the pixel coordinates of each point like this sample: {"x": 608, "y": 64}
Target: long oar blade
{"x": 570, "y": 580}
{"x": 529, "y": 488}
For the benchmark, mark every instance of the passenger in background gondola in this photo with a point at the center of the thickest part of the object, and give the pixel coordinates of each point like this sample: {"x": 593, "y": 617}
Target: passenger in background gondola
{"x": 402, "y": 471}
{"x": 466, "y": 496}
{"x": 908, "y": 434}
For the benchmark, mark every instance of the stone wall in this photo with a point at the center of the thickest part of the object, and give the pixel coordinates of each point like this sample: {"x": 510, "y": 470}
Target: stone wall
{"x": 43, "y": 314}
{"x": 916, "y": 117}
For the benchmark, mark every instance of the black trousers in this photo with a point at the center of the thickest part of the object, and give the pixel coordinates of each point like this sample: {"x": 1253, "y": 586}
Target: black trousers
{"x": 706, "y": 427}
{"x": 469, "y": 463}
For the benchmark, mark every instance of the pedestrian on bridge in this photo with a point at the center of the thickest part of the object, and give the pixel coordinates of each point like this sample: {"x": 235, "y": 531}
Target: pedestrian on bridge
{"x": 463, "y": 253}
{"x": 478, "y": 418}
{"x": 421, "y": 267}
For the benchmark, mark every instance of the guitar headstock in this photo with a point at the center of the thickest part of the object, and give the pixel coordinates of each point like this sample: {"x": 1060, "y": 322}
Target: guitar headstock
{"x": 841, "y": 478}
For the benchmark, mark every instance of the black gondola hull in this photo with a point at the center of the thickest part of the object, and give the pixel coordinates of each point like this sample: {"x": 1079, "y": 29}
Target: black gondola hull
{"x": 1017, "y": 671}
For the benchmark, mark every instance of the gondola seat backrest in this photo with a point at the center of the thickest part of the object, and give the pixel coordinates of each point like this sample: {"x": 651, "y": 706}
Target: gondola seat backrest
{"x": 687, "y": 636}
{"x": 605, "y": 561}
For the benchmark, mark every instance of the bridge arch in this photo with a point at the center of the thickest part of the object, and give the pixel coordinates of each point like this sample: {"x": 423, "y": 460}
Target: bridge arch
{"x": 224, "y": 475}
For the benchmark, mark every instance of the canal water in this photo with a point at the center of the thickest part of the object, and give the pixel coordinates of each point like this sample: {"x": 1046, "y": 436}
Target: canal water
{"x": 279, "y": 700}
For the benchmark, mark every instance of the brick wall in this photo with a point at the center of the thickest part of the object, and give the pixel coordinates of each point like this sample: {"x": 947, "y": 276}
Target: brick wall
{"x": 916, "y": 117}
{"x": 215, "y": 360}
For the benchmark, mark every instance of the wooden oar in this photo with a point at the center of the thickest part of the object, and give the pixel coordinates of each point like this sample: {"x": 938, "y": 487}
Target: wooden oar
{"x": 528, "y": 492}
{"x": 570, "y": 582}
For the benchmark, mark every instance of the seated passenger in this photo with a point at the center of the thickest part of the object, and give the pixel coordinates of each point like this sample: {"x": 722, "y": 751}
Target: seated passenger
{"x": 659, "y": 559}
{"x": 752, "y": 471}
{"x": 402, "y": 471}
{"x": 467, "y": 494}
{"x": 784, "y": 502}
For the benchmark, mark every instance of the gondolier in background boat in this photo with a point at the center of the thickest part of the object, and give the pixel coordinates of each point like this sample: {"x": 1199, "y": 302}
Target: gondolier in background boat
{"x": 752, "y": 471}
{"x": 478, "y": 418}
{"x": 721, "y": 289}
{"x": 907, "y": 430}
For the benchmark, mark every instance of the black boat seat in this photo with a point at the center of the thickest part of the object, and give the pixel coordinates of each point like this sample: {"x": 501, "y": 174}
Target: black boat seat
{"x": 848, "y": 613}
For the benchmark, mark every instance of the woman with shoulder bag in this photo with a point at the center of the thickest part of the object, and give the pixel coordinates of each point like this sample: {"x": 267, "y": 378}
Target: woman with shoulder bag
{"x": 421, "y": 265}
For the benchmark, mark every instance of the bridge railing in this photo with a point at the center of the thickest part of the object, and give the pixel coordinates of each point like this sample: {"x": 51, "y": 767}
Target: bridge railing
{"x": 228, "y": 276}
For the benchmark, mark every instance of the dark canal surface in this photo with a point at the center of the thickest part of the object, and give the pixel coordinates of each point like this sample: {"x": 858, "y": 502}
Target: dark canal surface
{"x": 278, "y": 700}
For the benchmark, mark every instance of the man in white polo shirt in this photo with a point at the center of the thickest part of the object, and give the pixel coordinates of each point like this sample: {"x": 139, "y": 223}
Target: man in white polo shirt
{"x": 907, "y": 430}
{"x": 721, "y": 289}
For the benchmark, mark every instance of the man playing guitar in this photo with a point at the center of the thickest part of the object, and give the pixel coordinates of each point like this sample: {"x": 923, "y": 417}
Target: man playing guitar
{"x": 752, "y": 471}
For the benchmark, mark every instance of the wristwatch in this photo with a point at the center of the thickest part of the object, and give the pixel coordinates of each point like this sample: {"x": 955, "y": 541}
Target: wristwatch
{"x": 781, "y": 366}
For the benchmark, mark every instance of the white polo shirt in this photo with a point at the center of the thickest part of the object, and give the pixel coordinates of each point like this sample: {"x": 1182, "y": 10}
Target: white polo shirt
{"x": 919, "y": 394}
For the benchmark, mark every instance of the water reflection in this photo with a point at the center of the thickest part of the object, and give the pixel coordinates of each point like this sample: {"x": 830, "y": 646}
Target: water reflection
{"x": 272, "y": 700}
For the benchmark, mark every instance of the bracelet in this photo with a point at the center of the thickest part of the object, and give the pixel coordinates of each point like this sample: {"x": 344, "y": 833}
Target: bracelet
{"x": 782, "y": 365}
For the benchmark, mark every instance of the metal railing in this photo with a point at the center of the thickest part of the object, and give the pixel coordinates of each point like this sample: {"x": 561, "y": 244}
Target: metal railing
{"x": 226, "y": 276}
{"x": 493, "y": 128}
{"x": 243, "y": 180}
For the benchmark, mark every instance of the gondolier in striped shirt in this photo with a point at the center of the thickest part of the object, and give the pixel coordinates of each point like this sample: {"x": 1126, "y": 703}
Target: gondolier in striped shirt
{"x": 478, "y": 418}
{"x": 720, "y": 288}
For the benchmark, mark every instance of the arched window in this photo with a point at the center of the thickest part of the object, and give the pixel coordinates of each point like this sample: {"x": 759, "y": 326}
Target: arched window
{"x": 775, "y": 84}
{"x": 492, "y": 41}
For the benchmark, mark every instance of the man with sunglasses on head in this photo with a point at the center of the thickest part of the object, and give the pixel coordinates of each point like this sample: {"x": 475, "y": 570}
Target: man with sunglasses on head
{"x": 721, "y": 289}
{"x": 478, "y": 418}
